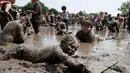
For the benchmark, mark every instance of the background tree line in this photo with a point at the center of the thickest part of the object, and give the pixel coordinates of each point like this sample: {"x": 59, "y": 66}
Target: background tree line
{"x": 45, "y": 9}
{"x": 124, "y": 8}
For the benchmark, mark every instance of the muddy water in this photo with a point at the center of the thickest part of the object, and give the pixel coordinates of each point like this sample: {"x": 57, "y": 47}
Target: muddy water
{"x": 97, "y": 56}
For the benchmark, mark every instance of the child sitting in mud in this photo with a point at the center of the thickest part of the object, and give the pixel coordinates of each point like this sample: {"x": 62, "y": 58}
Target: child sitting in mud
{"x": 86, "y": 35}
{"x": 60, "y": 26}
{"x": 14, "y": 31}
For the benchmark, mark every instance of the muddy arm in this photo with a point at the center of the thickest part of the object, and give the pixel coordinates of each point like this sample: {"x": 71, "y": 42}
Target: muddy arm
{"x": 19, "y": 36}
{"x": 75, "y": 67}
{"x": 7, "y": 8}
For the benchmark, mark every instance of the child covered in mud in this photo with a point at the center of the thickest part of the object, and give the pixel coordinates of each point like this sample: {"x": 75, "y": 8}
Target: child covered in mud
{"x": 114, "y": 25}
{"x": 50, "y": 54}
{"x": 14, "y": 31}
{"x": 60, "y": 26}
{"x": 85, "y": 34}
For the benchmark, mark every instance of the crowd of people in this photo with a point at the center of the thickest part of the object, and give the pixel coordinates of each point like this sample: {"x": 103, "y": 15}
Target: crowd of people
{"x": 14, "y": 26}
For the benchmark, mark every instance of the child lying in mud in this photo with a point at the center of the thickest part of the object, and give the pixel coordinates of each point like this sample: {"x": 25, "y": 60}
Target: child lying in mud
{"x": 52, "y": 54}
{"x": 85, "y": 34}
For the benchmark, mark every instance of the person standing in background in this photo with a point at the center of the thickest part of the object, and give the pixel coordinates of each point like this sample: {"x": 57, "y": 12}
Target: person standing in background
{"x": 65, "y": 16}
{"x": 36, "y": 15}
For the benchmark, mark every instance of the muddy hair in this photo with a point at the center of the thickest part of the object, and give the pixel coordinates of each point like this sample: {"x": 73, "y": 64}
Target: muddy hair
{"x": 67, "y": 41}
{"x": 87, "y": 22}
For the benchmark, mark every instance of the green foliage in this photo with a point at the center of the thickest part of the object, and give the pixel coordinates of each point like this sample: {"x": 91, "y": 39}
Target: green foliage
{"x": 93, "y": 14}
{"x": 45, "y": 9}
{"x": 82, "y": 13}
{"x": 124, "y": 7}
{"x": 27, "y": 7}
{"x": 54, "y": 11}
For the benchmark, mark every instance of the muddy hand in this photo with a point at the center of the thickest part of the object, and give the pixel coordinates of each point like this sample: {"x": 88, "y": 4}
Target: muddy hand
{"x": 79, "y": 69}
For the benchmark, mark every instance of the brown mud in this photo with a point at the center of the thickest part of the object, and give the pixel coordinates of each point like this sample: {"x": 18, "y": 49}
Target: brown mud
{"x": 96, "y": 56}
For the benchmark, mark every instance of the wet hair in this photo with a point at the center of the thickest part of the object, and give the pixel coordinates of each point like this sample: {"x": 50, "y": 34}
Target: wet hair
{"x": 63, "y": 8}
{"x": 67, "y": 44}
{"x": 87, "y": 22}
{"x": 118, "y": 15}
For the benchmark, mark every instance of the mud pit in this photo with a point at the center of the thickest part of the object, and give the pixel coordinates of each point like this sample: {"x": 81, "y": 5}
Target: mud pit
{"x": 96, "y": 56}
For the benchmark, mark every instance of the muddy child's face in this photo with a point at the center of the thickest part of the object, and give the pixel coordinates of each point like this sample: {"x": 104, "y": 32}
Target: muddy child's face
{"x": 86, "y": 28}
{"x": 69, "y": 44}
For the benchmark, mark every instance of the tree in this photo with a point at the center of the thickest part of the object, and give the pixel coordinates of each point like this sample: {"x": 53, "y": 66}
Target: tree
{"x": 124, "y": 7}
{"x": 81, "y": 13}
{"x": 93, "y": 14}
{"x": 27, "y": 7}
{"x": 54, "y": 11}
{"x": 45, "y": 9}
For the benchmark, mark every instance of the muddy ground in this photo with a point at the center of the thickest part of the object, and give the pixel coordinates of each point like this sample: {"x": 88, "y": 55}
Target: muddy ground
{"x": 96, "y": 56}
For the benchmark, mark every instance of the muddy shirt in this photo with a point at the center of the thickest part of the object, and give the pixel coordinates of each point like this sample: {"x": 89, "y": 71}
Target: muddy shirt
{"x": 85, "y": 37}
{"x": 50, "y": 54}
{"x": 112, "y": 25}
{"x": 37, "y": 8}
